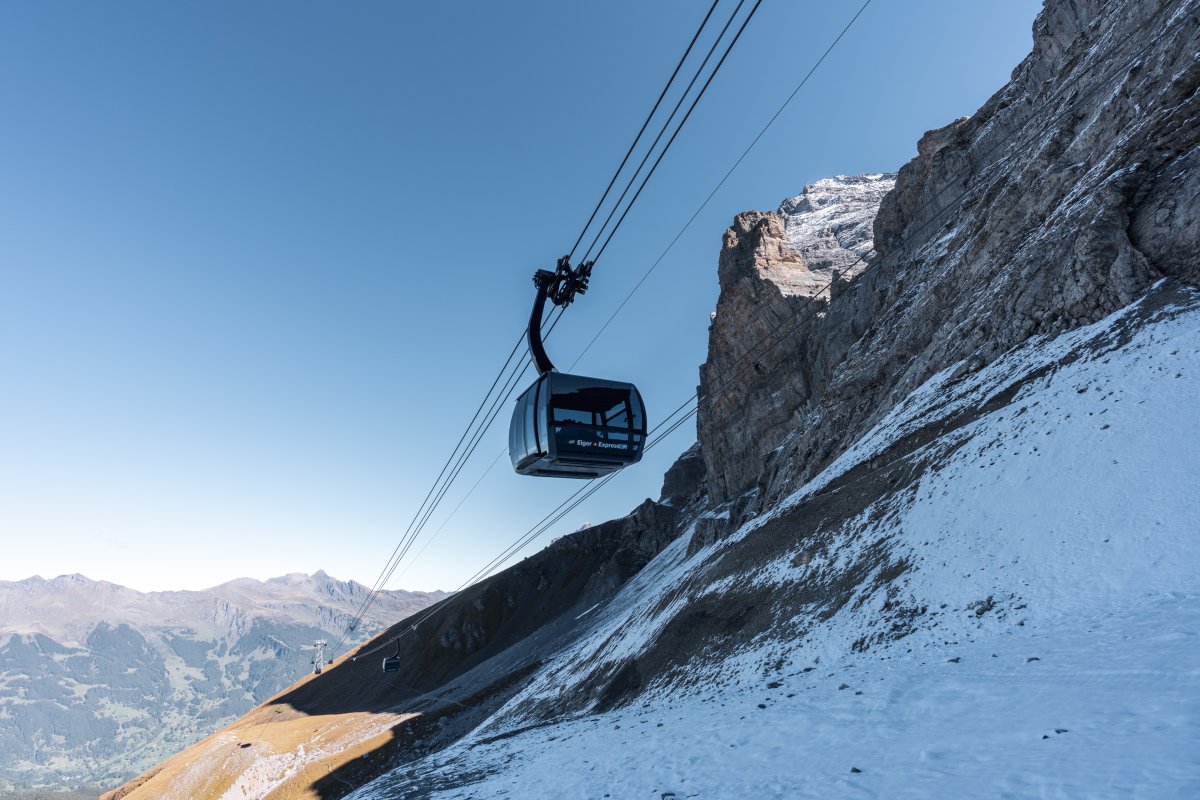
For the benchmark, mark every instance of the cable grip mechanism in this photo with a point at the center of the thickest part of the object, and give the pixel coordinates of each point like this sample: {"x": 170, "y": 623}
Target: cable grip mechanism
{"x": 559, "y": 287}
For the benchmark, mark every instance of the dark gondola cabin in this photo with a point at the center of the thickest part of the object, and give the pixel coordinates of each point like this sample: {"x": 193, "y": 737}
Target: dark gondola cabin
{"x": 569, "y": 426}
{"x": 391, "y": 664}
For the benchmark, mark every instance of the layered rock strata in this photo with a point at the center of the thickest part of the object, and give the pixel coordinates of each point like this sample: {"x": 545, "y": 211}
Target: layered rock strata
{"x": 1065, "y": 197}
{"x": 774, "y": 268}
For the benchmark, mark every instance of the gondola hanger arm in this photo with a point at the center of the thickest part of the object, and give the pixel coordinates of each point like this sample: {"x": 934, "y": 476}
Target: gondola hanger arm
{"x": 559, "y": 287}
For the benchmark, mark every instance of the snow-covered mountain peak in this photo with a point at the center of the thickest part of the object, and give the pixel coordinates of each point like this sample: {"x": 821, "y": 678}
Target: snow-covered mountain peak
{"x": 834, "y": 215}
{"x": 73, "y": 578}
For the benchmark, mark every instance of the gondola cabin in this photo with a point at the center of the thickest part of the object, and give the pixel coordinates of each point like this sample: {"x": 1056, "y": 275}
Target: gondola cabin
{"x": 391, "y": 664}
{"x": 570, "y": 426}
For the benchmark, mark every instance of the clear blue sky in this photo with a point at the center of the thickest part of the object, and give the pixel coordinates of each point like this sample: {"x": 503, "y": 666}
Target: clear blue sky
{"x": 260, "y": 260}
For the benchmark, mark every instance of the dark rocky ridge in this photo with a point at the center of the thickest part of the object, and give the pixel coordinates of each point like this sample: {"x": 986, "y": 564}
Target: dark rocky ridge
{"x": 575, "y": 572}
{"x": 478, "y": 647}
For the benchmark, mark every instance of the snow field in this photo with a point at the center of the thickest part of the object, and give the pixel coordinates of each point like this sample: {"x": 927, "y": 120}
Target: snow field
{"x": 921, "y": 727}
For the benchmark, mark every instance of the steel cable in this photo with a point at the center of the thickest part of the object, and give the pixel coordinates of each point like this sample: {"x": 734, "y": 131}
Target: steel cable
{"x": 642, "y": 130}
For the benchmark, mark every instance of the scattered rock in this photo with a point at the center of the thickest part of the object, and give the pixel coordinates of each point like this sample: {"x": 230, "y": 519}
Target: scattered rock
{"x": 981, "y": 607}
{"x": 762, "y": 705}
{"x": 1060, "y": 730}
{"x": 1032, "y": 658}
{"x": 774, "y": 685}
{"x": 707, "y": 531}
{"x": 954, "y": 660}
{"x": 844, "y": 686}
{"x": 855, "y": 770}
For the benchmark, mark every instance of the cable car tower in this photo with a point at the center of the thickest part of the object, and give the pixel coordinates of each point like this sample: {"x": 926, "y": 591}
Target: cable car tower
{"x": 572, "y": 426}
{"x": 318, "y": 659}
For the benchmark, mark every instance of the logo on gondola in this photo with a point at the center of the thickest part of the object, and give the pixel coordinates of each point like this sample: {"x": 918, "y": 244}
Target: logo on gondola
{"x": 584, "y": 443}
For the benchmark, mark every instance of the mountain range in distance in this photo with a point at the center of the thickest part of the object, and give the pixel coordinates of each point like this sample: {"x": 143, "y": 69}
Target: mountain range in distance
{"x": 98, "y": 681}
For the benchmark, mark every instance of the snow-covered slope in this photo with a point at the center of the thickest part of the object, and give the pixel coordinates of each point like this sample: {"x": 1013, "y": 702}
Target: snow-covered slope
{"x": 1021, "y": 615}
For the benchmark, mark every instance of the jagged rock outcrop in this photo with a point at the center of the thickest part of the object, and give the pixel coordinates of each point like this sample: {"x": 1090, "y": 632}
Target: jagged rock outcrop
{"x": 776, "y": 267}
{"x": 683, "y": 483}
{"x": 1061, "y": 200}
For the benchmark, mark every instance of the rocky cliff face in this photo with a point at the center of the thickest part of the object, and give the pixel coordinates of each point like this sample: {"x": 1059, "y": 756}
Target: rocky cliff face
{"x": 1062, "y": 199}
{"x": 774, "y": 268}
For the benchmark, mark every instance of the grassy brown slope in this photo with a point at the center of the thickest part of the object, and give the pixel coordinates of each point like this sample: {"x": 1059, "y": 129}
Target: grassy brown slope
{"x": 268, "y": 753}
